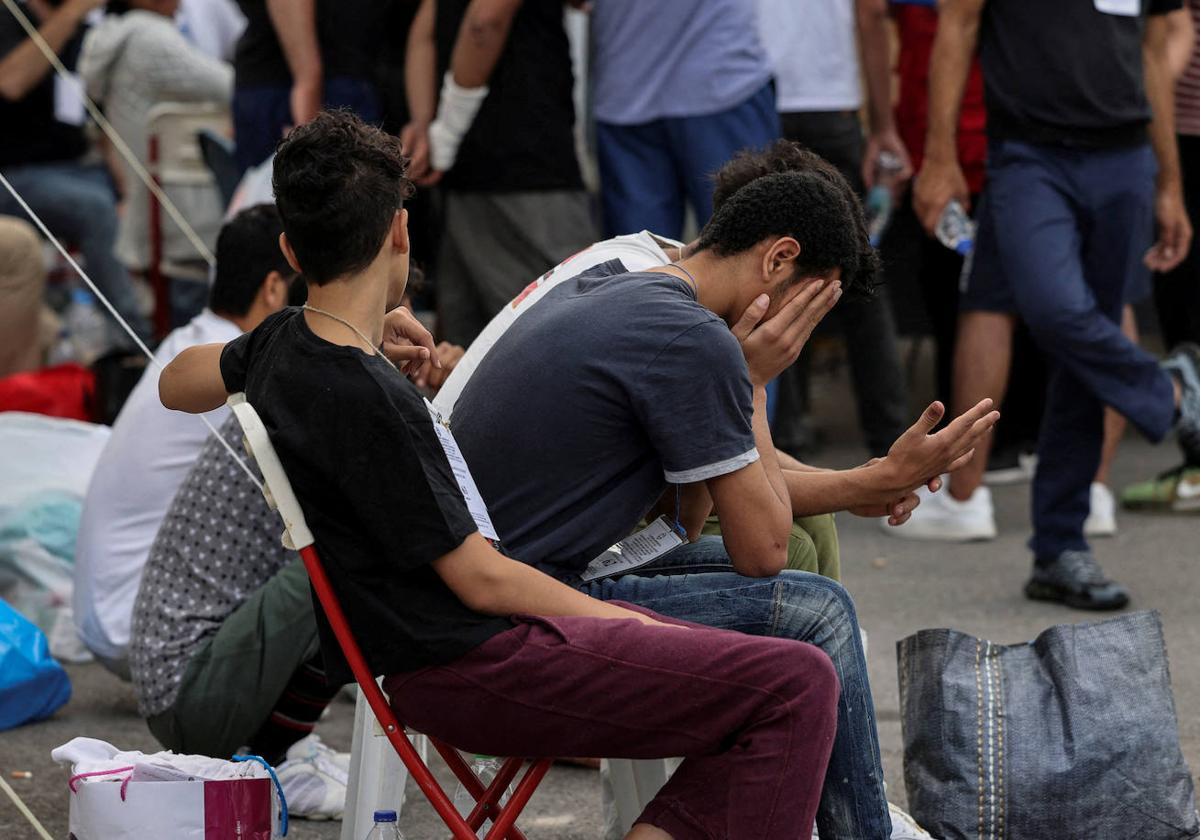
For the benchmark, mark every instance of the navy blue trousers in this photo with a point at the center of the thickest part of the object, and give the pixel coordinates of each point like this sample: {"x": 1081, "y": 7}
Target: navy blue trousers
{"x": 651, "y": 171}
{"x": 1069, "y": 228}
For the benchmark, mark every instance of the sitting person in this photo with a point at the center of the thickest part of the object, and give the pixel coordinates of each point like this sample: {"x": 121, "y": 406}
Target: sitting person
{"x": 618, "y": 388}
{"x": 134, "y": 59}
{"x": 24, "y": 338}
{"x": 43, "y": 150}
{"x": 455, "y": 626}
{"x": 813, "y": 545}
{"x": 151, "y": 449}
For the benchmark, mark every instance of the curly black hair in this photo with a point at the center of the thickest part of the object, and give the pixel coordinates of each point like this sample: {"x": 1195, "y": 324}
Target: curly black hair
{"x": 861, "y": 265}
{"x": 338, "y": 184}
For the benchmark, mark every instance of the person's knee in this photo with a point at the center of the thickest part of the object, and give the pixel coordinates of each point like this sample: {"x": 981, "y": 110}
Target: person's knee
{"x": 96, "y": 212}
{"x": 817, "y": 610}
{"x": 809, "y": 680}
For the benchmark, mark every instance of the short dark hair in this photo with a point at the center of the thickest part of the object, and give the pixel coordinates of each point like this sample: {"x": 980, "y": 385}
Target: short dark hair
{"x": 247, "y": 251}
{"x": 338, "y": 183}
{"x": 817, "y": 207}
{"x": 781, "y": 156}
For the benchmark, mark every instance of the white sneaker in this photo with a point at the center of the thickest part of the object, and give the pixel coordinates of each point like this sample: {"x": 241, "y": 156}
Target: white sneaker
{"x": 942, "y": 517}
{"x": 1102, "y": 520}
{"x": 311, "y": 746}
{"x": 314, "y": 778}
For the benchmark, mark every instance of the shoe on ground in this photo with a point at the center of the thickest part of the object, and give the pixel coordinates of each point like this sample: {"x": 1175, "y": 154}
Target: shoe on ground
{"x": 1011, "y": 465}
{"x": 314, "y": 779}
{"x": 1075, "y": 578}
{"x": 1175, "y": 491}
{"x": 942, "y": 517}
{"x": 1184, "y": 365}
{"x": 1102, "y": 519}
{"x": 904, "y": 827}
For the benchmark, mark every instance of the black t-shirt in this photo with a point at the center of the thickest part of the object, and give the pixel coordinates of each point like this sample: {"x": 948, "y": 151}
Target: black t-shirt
{"x": 1067, "y": 72}
{"x": 29, "y": 131}
{"x": 524, "y": 135}
{"x": 357, "y": 443}
{"x": 349, "y": 34}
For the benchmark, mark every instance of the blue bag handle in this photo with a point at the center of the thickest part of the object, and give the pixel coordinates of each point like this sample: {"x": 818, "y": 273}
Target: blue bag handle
{"x": 283, "y": 815}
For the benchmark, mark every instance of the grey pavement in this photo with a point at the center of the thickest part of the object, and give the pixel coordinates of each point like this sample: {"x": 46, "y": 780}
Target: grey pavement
{"x": 900, "y": 587}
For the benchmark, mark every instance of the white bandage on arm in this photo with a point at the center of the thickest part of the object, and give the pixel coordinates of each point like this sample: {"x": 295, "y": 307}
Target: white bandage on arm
{"x": 456, "y": 111}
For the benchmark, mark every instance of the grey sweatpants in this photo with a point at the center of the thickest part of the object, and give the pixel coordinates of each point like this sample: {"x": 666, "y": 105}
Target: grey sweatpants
{"x": 496, "y": 244}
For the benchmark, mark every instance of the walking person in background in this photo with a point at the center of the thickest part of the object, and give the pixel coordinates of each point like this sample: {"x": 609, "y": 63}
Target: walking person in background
{"x": 1078, "y": 173}
{"x": 1177, "y": 292}
{"x": 296, "y": 56}
{"x": 814, "y": 47}
{"x": 679, "y": 86}
{"x": 502, "y": 133}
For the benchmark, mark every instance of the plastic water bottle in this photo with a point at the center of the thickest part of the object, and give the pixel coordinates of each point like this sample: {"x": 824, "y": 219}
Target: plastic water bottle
{"x": 955, "y": 229}
{"x": 881, "y": 198}
{"x": 385, "y": 827}
{"x": 87, "y": 327}
{"x": 486, "y": 767}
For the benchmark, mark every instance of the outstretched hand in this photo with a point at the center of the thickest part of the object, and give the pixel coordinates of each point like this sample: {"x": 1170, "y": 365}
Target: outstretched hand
{"x": 918, "y": 458}
{"x": 771, "y": 346}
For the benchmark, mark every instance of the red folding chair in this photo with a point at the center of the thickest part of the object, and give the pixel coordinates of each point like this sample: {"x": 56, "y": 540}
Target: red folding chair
{"x": 279, "y": 495}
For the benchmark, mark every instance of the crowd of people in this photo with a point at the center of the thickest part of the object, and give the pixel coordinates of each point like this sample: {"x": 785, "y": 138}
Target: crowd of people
{"x": 623, "y": 275}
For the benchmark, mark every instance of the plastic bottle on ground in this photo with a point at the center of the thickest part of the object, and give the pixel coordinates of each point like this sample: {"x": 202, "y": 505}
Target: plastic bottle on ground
{"x": 955, "y": 229}
{"x": 486, "y": 767}
{"x": 87, "y": 327}
{"x": 385, "y": 827}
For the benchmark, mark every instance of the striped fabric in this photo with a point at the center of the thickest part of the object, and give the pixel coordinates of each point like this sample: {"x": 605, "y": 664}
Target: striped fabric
{"x": 1187, "y": 89}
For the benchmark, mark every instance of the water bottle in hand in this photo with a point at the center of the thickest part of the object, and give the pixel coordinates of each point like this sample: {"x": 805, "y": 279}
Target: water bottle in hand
{"x": 955, "y": 229}
{"x": 385, "y": 827}
{"x": 880, "y": 201}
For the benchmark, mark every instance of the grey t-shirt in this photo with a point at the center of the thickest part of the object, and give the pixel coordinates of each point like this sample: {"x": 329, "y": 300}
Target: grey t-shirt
{"x": 218, "y": 544}
{"x": 596, "y": 398}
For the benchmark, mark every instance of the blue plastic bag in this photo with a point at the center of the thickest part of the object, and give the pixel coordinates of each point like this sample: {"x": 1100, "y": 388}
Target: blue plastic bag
{"x": 32, "y": 685}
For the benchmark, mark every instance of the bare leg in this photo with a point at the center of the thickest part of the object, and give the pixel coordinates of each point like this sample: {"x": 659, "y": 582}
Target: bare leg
{"x": 1114, "y": 423}
{"x": 982, "y": 359}
{"x": 641, "y": 831}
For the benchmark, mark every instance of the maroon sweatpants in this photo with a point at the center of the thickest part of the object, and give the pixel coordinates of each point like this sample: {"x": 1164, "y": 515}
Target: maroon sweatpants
{"x": 753, "y": 717}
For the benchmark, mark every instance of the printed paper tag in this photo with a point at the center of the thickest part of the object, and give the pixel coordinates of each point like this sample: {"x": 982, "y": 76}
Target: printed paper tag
{"x": 462, "y": 474}
{"x": 1126, "y": 8}
{"x": 650, "y": 543}
{"x": 68, "y": 104}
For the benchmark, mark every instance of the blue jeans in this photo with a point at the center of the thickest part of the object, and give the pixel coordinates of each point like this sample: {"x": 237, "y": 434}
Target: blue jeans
{"x": 1069, "y": 228}
{"x": 261, "y": 114}
{"x": 649, "y": 171}
{"x": 696, "y": 582}
{"x": 77, "y": 204}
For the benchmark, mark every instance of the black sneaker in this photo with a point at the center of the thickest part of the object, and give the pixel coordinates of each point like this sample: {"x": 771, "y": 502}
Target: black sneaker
{"x": 1075, "y": 578}
{"x": 1184, "y": 365}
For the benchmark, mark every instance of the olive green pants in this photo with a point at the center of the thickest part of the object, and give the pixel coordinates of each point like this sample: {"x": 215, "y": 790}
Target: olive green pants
{"x": 812, "y": 547}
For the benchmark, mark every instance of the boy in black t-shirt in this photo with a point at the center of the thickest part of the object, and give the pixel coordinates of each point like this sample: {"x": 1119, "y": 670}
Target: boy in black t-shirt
{"x": 455, "y": 625}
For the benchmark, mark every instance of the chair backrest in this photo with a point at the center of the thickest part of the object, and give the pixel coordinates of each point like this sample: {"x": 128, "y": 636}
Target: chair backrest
{"x": 175, "y": 158}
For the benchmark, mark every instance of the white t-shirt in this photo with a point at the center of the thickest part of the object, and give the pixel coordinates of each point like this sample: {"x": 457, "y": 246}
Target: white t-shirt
{"x": 147, "y": 457}
{"x": 636, "y": 251}
{"x": 813, "y": 46}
